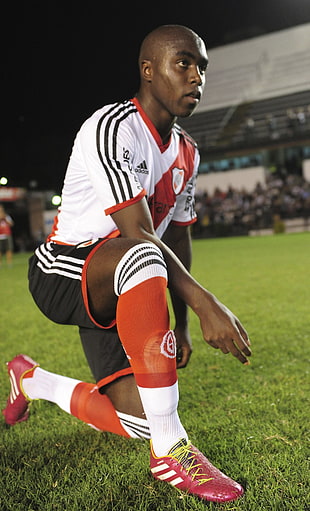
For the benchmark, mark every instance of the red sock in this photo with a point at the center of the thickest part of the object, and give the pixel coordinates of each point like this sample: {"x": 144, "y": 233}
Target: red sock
{"x": 143, "y": 326}
{"x": 88, "y": 405}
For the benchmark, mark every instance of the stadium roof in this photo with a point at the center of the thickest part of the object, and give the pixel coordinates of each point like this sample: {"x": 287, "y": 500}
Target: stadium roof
{"x": 267, "y": 66}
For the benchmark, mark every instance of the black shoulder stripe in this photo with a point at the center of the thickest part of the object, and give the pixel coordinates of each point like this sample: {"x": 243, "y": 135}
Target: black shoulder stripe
{"x": 118, "y": 180}
{"x": 182, "y": 133}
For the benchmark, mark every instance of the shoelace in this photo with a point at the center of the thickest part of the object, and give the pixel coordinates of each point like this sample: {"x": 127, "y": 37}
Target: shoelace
{"x": 186, "y": 457}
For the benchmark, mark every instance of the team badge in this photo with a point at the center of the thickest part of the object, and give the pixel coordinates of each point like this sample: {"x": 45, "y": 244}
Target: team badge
{"x": 177, "y": 180}
{"x": 168, "y": 346}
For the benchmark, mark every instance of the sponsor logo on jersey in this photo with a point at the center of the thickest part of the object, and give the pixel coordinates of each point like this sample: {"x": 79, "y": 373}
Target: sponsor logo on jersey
{"x": 127, "y": 159}
{"x": 159, "y": 207}
{"x": 142, "y": 168}
{"x": 177, "y": 180}
{"x": 168, "y": 347}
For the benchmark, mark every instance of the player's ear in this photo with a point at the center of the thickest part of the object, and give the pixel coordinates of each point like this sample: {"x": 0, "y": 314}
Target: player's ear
{"x": 146, "y": 70}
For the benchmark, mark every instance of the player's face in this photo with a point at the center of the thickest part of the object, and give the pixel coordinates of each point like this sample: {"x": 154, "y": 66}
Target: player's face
{"x": 179, "y": 76}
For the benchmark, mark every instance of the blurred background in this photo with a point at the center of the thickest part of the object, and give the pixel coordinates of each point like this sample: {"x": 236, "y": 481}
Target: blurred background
{"x": 63, "y": 60}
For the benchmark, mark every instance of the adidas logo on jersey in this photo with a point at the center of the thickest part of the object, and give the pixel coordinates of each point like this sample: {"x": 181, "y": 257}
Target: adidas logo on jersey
{"x": 142, "y": 168}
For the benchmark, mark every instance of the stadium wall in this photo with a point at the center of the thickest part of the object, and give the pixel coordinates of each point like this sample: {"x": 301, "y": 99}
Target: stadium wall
{"x": 240, "y": 179}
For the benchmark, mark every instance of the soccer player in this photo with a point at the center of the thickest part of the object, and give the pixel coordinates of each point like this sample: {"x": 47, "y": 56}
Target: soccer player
{"x": 121, "y": 237}
{"x": 6, "y": 240}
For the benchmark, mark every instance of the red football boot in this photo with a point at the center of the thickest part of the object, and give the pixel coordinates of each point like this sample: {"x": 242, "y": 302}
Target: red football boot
{"x": 16, "y": 409}
{"x": 189, "y": 470}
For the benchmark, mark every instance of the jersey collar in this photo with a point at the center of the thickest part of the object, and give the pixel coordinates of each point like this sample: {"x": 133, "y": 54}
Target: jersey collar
{"x": 151, "y": 127}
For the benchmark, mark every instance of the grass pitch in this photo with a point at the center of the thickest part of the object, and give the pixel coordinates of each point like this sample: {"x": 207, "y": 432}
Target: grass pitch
{"x": 252, "y": 422}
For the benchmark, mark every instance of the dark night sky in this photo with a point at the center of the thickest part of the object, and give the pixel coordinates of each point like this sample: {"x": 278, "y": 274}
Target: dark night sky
{"x": 63, "y": 60}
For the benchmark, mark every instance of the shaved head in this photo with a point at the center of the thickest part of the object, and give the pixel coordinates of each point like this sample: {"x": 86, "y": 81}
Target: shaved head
{"x": 157, "y": 41}
{"x": 172, "y": 62}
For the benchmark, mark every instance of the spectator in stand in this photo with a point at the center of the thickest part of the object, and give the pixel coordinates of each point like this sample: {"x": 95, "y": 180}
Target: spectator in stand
{"x": 6, "y": 239}
{"x": 240, "y": 211}
{"x": 308, "y": 117}
{"x": 291, "y": 121}
{"x": 249, "y": 129}
{"x": 271, "y": 122}
{"x": 301, "y": 119}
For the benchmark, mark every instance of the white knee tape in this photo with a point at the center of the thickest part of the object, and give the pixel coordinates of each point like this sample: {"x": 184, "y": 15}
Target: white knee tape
{"x": 141, "y": 262}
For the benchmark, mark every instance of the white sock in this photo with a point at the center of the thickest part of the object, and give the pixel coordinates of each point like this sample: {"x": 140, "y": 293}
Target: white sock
{"x": 160, "y": 406}
{"x": 51, "y": 387}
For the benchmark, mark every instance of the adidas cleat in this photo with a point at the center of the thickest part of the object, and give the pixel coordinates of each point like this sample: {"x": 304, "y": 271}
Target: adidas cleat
{"x": 186, "y": 468}
{"x": 16, "y": 409}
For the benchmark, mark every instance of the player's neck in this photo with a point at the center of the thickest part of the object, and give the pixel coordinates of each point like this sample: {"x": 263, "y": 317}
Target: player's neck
{"x": 162, "y": 120}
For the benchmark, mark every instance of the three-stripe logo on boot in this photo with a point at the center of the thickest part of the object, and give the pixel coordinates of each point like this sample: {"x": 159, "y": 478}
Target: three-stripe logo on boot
{"x": 186, "y": 468}
{"x": 14, "y": 387}
{"x": 164, "y": 472}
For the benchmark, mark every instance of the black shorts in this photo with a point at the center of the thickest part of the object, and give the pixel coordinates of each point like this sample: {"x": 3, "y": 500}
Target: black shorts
{"x": 57, "y": 282}
{"x": 6, "y": 244}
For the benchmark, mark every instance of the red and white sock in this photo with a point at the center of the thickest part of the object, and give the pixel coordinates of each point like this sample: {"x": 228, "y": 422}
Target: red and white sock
{"x": 84, "y": 401}
{"x": 143, "y": 326}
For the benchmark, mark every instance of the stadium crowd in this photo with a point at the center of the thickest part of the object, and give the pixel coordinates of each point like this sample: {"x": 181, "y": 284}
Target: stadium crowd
{"x": 236, "y": 212}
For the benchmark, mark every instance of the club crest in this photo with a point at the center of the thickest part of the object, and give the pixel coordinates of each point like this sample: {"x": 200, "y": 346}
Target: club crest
{"x": 168, "y": 345}
{"x": 177, "y": 179}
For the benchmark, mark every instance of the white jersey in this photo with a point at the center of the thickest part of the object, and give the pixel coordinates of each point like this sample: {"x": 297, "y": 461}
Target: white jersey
{"x": 117, "y": 159}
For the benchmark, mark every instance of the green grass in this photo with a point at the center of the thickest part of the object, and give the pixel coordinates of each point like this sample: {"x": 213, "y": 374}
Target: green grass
{"x": 251, "y": 421}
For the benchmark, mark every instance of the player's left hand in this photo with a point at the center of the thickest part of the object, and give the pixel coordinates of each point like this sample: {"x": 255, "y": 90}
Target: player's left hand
{"x": 223, "y": 330}
{"x": 184, "y": 346}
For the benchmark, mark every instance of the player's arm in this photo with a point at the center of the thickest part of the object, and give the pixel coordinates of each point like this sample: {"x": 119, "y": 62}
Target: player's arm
{"x": 178, "y": 239}
{"x": 220, "y": 327}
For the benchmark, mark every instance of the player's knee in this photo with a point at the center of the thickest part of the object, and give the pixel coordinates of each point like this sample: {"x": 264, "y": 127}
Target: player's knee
{"x": 140, "y": 263}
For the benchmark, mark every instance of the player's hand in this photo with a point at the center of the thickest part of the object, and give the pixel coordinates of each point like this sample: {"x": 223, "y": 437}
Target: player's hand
{"x": 184, "y": 346}
{"x": 223, "y": 330}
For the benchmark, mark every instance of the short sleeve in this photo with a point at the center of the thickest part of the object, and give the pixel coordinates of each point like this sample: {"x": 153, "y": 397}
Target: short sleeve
{"x": 102, "y": 140}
